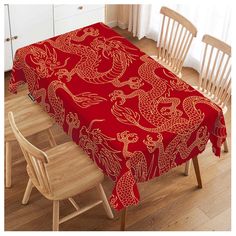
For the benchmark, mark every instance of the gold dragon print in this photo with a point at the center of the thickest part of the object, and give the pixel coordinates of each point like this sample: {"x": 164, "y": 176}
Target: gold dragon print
{"x": 46, "y": 61}
{"x": 125, "y": 189}
{"x": 168, "y": 117}
{"x": 90, "y": 57}
{"x": 136, "y": 160}
{"x": 73, "y": 122}
{"x": 19, "y": 64}
{"x": 178, "y": 146}
{"x": 83, "y": 100}
{"x": 113, "y": 201}
{"x": 136, "y": 171}
{"x": 97, "y": 146}
{"x": 69, "y": 42}
{"x": 30, "y": 76}
{"x": 219, "y": 132}
{"x": 176, "y": 83}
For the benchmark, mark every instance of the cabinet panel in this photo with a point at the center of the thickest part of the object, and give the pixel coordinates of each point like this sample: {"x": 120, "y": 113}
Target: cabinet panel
{"x": 30, "y": 23}
{"x": 64, "y": 11}
{"x": 80, "y": 20}
{"x": 7, "y": 41}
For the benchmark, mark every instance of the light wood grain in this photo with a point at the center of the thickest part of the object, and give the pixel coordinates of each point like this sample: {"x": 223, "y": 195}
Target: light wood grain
{"x": 175, "y": 40}
{"x": 197, "y": 171}
{"x": 55, "y": 217}
{"x": 27, "y": 193}
{"x": 214, "y": 77}
{"x": 179, "y": 18}
{"x": 8, "y": 163}
{"x": 60, "y": 173}
{"x": 194, "y": 217}
{"x": 105, "y": 202}
{"x": 216, "y": 223}
{"x": 187, "y": 168}
{"x": 123, "y": 219}
{"x": 25, "y": 114}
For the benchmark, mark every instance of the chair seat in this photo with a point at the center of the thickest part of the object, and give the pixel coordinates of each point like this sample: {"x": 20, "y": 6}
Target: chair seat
{"x": 166, "y": 66}
{"x": 29, "y": 116}
{"x": 70, "y": 171}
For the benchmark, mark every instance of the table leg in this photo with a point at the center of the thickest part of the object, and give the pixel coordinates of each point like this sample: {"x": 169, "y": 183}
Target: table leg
{"x": 187, "y": 168}
{"x": 123, "y": 219}
{"x": 226, "y": 149}
{"x": 197, "y": 172}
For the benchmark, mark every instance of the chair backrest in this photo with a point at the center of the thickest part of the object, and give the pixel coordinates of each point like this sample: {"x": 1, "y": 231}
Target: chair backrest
{"x": 35, "y": 158}
{"x": 214, "y": 77}
{"x": 175, "y": 39}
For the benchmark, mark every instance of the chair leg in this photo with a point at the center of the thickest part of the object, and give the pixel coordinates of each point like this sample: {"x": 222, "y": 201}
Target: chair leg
{"x": 55, "y": 218}
{"x": 8, "y": 163}
{"x": 226, "y": 149}
{"x": 105, "y": 202}
{"x": 27, "y": 193}
{"x": 51, "y": 139}
{"x": 123, "y": 219}
{"x": 187, "y": 168}
{"x": 197, "y": 172}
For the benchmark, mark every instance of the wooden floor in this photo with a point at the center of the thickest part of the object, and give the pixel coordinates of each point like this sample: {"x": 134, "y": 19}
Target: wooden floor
{"x": 169, "y": 203}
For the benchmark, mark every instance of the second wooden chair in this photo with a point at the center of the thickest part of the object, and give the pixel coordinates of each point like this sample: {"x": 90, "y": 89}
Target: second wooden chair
{"x": 175, "y": 39}
{"x": 214, "y": 77}
{"x": 31, "y": 120}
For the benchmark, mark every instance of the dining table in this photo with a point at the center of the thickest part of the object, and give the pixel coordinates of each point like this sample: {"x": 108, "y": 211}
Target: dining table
{"x": 132, "y": 116}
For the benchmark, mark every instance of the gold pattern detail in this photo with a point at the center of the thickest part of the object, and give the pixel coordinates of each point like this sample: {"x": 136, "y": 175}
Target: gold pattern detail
{"x": 124, "y": 189}
{"x": 90, "y": 58}
{"x": 96, "y": 144}
{"x": 136, "y": 160}
{"x": 82, "y": 100}
{"x": 160, "y": 111}
{"x": 177, "y": 147}
{"x": 73, "y": 122}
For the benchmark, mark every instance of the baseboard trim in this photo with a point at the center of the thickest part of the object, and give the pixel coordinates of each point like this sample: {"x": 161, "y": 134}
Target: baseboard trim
{"x": 122, "y": 25}
{"x": 112, "y": 24}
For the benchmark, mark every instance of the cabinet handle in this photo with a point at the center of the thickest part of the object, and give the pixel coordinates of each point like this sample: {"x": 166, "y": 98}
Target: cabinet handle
{"x": 15, "y": 37}
{"x": 7, "y": 39}
{"x": 80, "y": 7}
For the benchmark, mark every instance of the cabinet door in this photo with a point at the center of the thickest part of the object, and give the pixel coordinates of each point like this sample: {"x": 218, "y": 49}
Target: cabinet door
{"x": 78, "y": 16}
{"x": 30, "y": 24}
{"x": 7, "y": 41}
{"x": 67, "y": 10}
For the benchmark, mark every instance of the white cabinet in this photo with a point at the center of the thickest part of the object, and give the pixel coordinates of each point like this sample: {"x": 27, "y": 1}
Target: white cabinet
{"x": 7, "y": 41}
{"x": 28, "y": 24}
{"x": 71, "y": 17}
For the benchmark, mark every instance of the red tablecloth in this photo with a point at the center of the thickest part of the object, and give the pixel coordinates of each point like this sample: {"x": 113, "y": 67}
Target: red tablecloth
{"x": 133, "y": 117}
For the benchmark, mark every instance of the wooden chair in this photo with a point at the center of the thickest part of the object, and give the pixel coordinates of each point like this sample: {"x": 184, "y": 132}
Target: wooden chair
{"x": 31, "y": 119}
{"x": 214, "y": 77}
{"x": 60, "y": 173}
{"x": 175, "y": 39}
